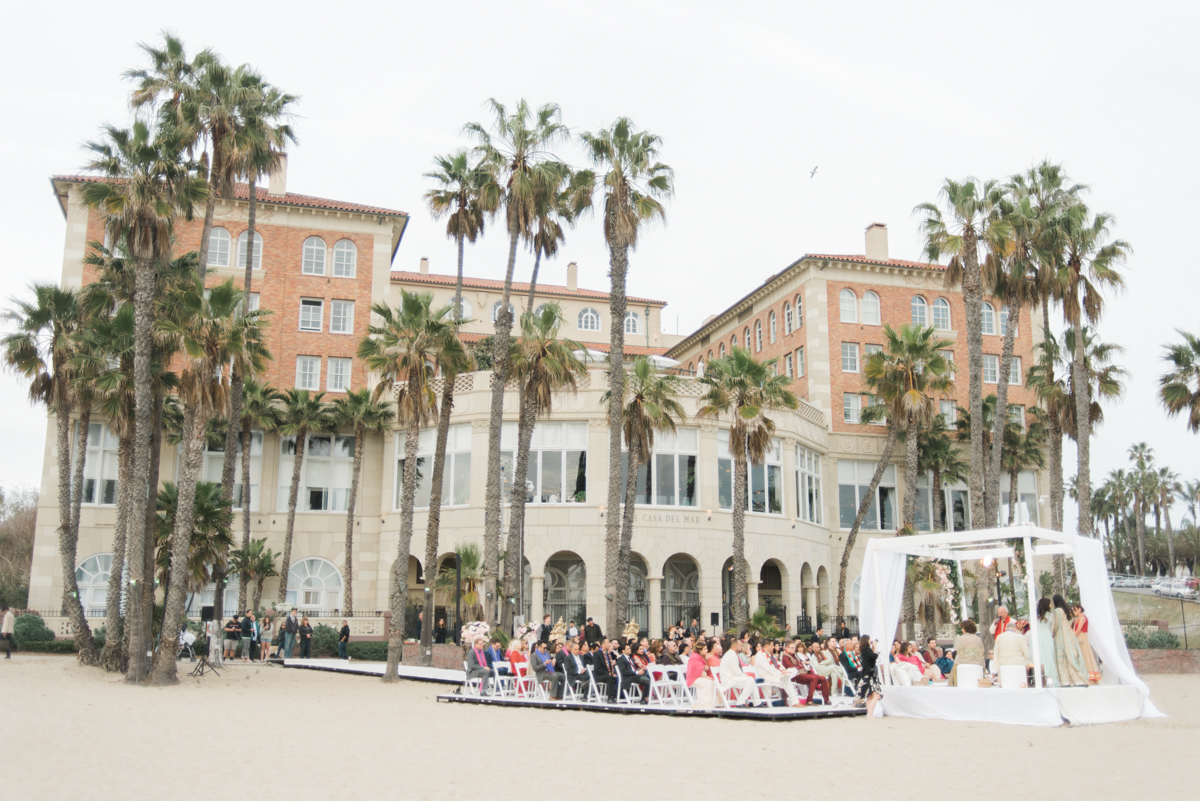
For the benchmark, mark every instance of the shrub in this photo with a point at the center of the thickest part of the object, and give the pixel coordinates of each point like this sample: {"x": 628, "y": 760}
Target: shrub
{"x": 324, "y": 641}
{"x": 368, "y": 650}
{"x": 49, "y": 647}
{"x": 1163, "y": 639}
{"x": 1141, "y": 638}
{"x": 29, "y": 629}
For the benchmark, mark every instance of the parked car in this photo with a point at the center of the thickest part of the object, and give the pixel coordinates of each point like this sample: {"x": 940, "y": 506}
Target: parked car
{"x": 1179, "y": 589}
{"x": 1162, "y": 586}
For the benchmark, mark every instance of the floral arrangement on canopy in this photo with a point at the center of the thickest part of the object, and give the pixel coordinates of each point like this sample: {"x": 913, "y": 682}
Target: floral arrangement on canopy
{"x": 472, "y": 631}
{"x": 938, "y": 580}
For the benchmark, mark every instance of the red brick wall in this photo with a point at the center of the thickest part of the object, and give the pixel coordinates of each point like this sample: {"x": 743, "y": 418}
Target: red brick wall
{"x": 783, "y": 344}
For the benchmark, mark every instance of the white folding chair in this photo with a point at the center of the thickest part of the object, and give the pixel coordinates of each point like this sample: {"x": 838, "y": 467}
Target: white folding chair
{"x": 594, "y": 695}
{"x": 767, "y": 693}
{"x": 625, "y": 694}
{"x": 471, "y": 686}
{"x": 719, "y": 691}
{"x": 524, "y": 683}
{"x": 664, "y": 689}
{"x": 503, "y": 685}
{"x": 848, "y": 682}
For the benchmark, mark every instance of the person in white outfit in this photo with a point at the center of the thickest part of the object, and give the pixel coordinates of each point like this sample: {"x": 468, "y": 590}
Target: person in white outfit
{"x": 6, "y": 630}
{"x": 734, "y": 678}
{"x": 765, "y": 668}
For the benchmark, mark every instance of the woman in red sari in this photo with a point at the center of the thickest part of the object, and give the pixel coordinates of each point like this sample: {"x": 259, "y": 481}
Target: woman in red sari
{"x": 1079, "y": 623}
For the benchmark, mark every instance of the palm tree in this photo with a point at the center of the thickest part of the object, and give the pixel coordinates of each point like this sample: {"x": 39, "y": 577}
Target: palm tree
{"x": 302, "y": 412}
{"x": 145, "y": 185}
{"x": 260, "y": 409}
{"x": 208, "y": 541}
{"x": 1169, "y": 487}
{"x": 544, "y": 365}
{"x": 1022, "y": 450}
{"x": 1189, "y": 493}
{"x": 651, "y": 404}
{"x": 744, "y": 390}
{"x": 636, "y": 184}
{"x": 39, "y": 351}
{"x": 469, "y": 580}
{"x": 403, "y": 350}
{"x": 1179, "y": 388}
{"x": 557, "y": 204}
{"x": 939, "y": 458}
{"x": 1141, "y": 486}
{"x": 212, "y": 336}
{"x": 969, "y": 223}
{"x": 924, "y": 578}
{"x": 1088, "y": 266}
{"x": 517, "y": 155}
{"x": 254, "y": 563}
{"x": 364, "y": 415}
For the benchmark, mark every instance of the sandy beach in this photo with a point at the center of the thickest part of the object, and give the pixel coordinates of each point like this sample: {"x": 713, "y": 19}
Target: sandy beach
{"x": 68, "y": 732}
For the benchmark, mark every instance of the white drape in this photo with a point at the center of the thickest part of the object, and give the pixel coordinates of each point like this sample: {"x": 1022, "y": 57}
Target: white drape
{"x": 880, "y": 596}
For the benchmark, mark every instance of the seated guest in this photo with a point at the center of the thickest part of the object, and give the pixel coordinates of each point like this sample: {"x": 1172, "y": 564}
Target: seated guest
{"x": 734, "y": 678}
{"x": 850, "y": 663}
{"x": 1011, "y": 648}
{"x": 575, "y": 673}
{"x": 656, "y": 651}
{"x": 713, "y": 660}
{"x": 916, "y": 668}
{"x": 803, "y": 675}
{"x": 699, "y": 677}
{"x": 543, "y": 668}
{"x": 495, "y": 654}
{"x": 827, "y": 666}
{"x": 670, "y": 654}
{"x": 516, "y": 658}
{"x": 934, "y": 655}
{"x": 632, "y": 675}
{"x": 603, "y": 668}
{"x": 968, "y": 649}
{"x": 770, "y": 672}
{"x": 477, "y": 664}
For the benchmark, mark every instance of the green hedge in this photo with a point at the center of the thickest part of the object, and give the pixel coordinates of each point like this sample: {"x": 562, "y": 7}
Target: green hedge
{"x": 368, "y": 650}
{"x": 29, "y": 629}
{"x": 1142, "y": 638}
{"x": 48, "y": 647}
{"x": 324, "y": 642}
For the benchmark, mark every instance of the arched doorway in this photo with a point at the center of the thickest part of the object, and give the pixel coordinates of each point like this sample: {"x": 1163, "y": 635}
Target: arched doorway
{"x": 565, "y": 590}
{"x": 314, "y": 587}
{"x": 680, "y": 591}
{"x": 822, "y": 610}
{"x": 807, "y": 601}
{"x": 639, "y": 601}
{"x": 92, "y": 578}
{"x": 772, "y": 588}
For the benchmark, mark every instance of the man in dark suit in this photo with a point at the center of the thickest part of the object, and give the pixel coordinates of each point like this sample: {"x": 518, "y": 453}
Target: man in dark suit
{"x": 631, "y": 674}
{"x": 544, "y": 630}
{"x": 495, "y": 654}
{"x": 592, "y": 633}
{"x": 543, "y": 668}
{"x": 574, "y": 671}
{"x": 603, "y": 668}
{"x": 477, "y": 664}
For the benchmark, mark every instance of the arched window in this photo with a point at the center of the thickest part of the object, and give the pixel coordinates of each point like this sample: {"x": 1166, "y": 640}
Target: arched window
{"x": 633, "y": 323}
{"x": 1004, "y": 323}
{"x": 771, "y": 327}
{"x": 941, "y": 314}
{"x": 692, "y": 368}
{"x": 799, "y": 312}
{"x": 757, "y": 335}
{"x": 746, "y": 337}
{"x": 870, "y": 308}
{"x": 313, "y": 260}
{"x": 92, "y": 577}
{"x": 345, "y": 259}
{"x": 496, "y": 310}
{"x": 220, "y": 243}
{"x": 732, "y": 343}
{"x": 848, "y": 303}
{"x": 721, "y": 350}
{"x": 589, "y": 320}
{"x": 919, "y": 311}
{"x": 258, "y": 251}
{"x": 314, "y": 584}
{"x": 989, "y": 318}
{"x": 538, "y": 311}
{"x": 787, "y": 318}
{"x": 464, "y": 307}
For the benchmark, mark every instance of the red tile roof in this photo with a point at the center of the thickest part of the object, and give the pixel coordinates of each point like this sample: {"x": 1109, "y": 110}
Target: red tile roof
{"x": 919, "y": 265}
{"x": 601, "y": 347}
{"x": 242, "y": 192}
{"x": 517, "y": 286}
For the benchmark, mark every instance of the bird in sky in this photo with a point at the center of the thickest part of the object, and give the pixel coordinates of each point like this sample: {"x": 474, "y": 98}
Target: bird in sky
{"x": 814, "y": 172}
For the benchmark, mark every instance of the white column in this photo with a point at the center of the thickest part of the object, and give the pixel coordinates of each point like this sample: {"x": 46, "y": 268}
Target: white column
{"x": 810, "y": 605}
{"x": 654, "y": 623}
{"x": 1034, "y": 635}
{"x": 536, "y": 591}
{"x": 752, "y": 595}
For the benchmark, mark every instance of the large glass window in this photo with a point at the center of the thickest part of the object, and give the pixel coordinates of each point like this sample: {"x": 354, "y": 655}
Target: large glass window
{"x": 989, "y": 318}
{"x": 799, "y": 312}
{"x": 787, "y": 365}
{"x": 1014, "y": 373}
{"x": 851, "y": 407}
{"x": 589, "y": 320}
{"x": 214, "y": 463}
{"x": 313, "y": 261}
{"x": 764, "y": 482}
{"x": 496, "y": 310}
{"x": 849, "y": 357}
{"x": 345, "y": 259}
{"x": 920, "y": 311}
{"x": 991, "y": 369}
{"x": 92, "y": 578}
{"x": 341, "y": 317}
{"x": 670, "y": 477}
{"x": 799, "y": 362}
{"x": 456, "y": 475}
{"x": 949, "y": 410}
{"x": 1027, "y": 496}
{"x": 771, "y": 327}
{"x": 100, "y": 471}
{"x": 757, "y": 336}
{"x": 338, "y": 379}
{"x": 308, "y": 372}
{"x": 311, "y": 312}
{"x": 633, "y": 323}
{"x": 848, "y": 306}
{"x": 258, "y": 250}
{"x": 808, "y": 485}
{"x": 315, "y": 586}
{"x": 219, "y": 245}
{"x": 854, "y": 479}
{"x": 557, "y": 468}
{"x": 955, "y": 503}
{"x": 324, "y": 475}
{"x": 787, "y": 317}
{"x": 941, "y": 314}
{"x": 870, "y": 308}
{"x": 1004, "y": 323}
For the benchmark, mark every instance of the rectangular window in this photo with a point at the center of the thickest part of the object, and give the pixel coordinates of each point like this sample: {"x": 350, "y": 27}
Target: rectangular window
{"x": 670, "y": 477}
{"x": 308, "y": 372}
{"x": 873, "y": 349}
{"x": 325, "y": 473}
{"x": 873, "y": 400}
{"x": 557, "y": 468}
{"x": 101, "y": 468}
{"x": 339, "y": 374}
{"x": 808, "y": 485}
{"x": 799, "y": 362}
{"x": 456, "y": 474}
{"x": 954, "y": 504}
{"x": 253, "y": 302}
{"x": 991, "y": 369}
{"x": 948, "y": 355}
{"x": 787, "y": 365}
{"x": 1017, "y": 415}
{"x": 1027, "y": 508}
{"x": 764, "y": 482}
{"x": 214, "y": 463}
{"x": 311, "y": 312}
{"x": 1014, "y": 372}
{"x": 851, "y": 407}
{"x": 341, "y": 317}
{"x": 849, "y": 357}
{"x": 854, "y": 479}
{"x": 949, "y": 410}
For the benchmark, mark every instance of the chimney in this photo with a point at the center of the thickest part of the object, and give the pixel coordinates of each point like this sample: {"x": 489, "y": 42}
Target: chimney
{"x": 877, "y": 242}
{"x": 424, "y": 266}
{"x": 572, "y": 277}
{"x": 277, "y": 184}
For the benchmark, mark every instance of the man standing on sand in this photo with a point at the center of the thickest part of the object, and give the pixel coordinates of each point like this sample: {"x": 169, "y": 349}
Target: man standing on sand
{"x": 291, "y": 627}
{"x": 6, "y": 630}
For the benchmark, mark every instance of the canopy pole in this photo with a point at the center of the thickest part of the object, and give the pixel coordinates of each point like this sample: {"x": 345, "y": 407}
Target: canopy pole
{"x": 962, "y": 591}
{"x": 1035, "y": 637}
{"x": 886, "y": 670}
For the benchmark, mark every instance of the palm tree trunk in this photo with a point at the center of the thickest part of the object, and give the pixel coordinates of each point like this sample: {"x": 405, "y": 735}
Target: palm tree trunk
{"x": 930, "y": 629}
{"x": 206, "y": 230}
{"x": 360, "y": 436}
{"x": 537, "y": 262}
{"x": 258, "y": 591}
{"x": 912, "y": 454}
{"x": 399, "y": 594}
{"x": 150, "y": 530}
{"x": 992, "y": 494}
{"x": 143, "y": 399}
{"x": 1013, "y": 475}
{"x": 1170, "y": 542}
{"x": 237, "y": 388}
{"x": 1083, "y": 429}
{"x": 293, "y": 498}
{"x": 513, "y": 563}
{"x": 85, "y": 421}
{"x": 909, "y": 607}
{"x": 435, "y": 504}
{"x": 939, "y": 503}
{"x": 972, "y": 290}
{"x": 618, "y": 266}
{"x": 163, "y": 672}
{"x": 1140, "y": 510}
{"x": 67, "y": 543}
{"x": 621, "y": 598}
{"x": 492, "y": 510}
{"x": 889, "y": 445}
{"x": 739, "y": 600}
{"x": 247, "y": 441}
{"x": 112, "y": 658}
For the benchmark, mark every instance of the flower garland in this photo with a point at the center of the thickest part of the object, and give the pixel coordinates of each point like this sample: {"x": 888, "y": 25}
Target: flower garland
{"x": 946, "y": 573}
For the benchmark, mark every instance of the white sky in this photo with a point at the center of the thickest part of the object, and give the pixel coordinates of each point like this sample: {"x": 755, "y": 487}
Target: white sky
{"x": 885, "y": 99}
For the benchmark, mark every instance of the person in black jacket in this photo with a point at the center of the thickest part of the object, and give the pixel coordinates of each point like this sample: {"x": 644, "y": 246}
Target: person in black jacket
{"x": 544, "y": 630}
{"x": 439, "y": 631}
{"x": 344, "y": 640}
{"x": 291, "y": 627}
{"x": 247, "y": 636}
{"x": 305, "y": 639}
{"x": 603, "y": 668}
{"x": 631, "y": 674}
{"x": 592, "y": 633}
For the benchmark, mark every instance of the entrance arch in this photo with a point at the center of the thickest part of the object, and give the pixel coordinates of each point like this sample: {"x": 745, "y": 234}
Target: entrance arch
{"x": 639, "y": 598}
{"x": 822, "y": 611}
{"x": 564, "y": 594}
{"x": 680, "y": 591}
{"x": 772, "y": 590}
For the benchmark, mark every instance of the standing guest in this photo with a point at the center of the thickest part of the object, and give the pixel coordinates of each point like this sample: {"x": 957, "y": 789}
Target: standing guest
{"x": 420, "y": 622}
{"x": 843, "y": 631}
{"x": 1045, "y": 641}
{"x": 6, "y": 630}
{"x": 1002, "y": 621}
{"x": 1079, "y": 624}
{"x": 439, "y": 631}
{"x": 477, "y": 665}
{"x": 820, "y": 635}
{"x": 694, "y": 629}
{"x": 266, "y": 633}
{"x": 544, "y": 630}
{"x": 247, "y": 636}
{"x": 968, "y": 649}
{"x": 631, "y": 674}
{"x": 1069, "y": 657}
{"x": 344, "y": 641}
{"x": 869, "y": 689}
{"x": 699, "y": 677}
{"x": 591, "y": 632}
{"x": 291, "y": 627}
{"x": 233, "y": 634}
{"x": 305, "y": 639}
{"x": 543, "y": 668}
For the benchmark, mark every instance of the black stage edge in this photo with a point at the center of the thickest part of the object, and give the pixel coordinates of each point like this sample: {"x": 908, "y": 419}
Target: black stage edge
{"x": 776, "y": 713}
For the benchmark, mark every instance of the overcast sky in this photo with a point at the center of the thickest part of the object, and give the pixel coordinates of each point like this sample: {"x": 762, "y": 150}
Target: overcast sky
{"x": 885, "y": 99}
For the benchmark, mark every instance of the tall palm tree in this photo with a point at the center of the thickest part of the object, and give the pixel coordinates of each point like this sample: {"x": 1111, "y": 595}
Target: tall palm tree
{"x": 1169, "y": 487}
{"x": 556, "y": 205}
{"x": 363, "y": 415}
{"x": 260, "y": 409}
{"x": 302, "y": 412}
{"x": 744, "y": 390}
{"x": 1179, "y": 387}
{"x": 467, "y": 581}
{"x": 517, "y": 155}
{"x": 146, "y": 184}
{"x": 1022, "y": 449}
{"x": 544, "y": 365}
{"x": 208, "y": 541}
{"x": 636, "y": 184}
{"x": 1189, "y": 493}
{"x": 403, "y": 349}
{"x": 1089, "y": 266}
{"x": 944, "y": 463}
{"x": 212, "y": 336}
{"x": 1141, "y": 485}
{"x": 651, "y": 405}
{"x": 255, "y": 563}
{"x": 968, "y": 224}
{"x": 40, "y": 351}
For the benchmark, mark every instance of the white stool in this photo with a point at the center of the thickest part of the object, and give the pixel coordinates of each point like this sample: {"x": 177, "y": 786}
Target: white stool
{"x": 968, "y": 676}
{"x": 1012, "y": 677}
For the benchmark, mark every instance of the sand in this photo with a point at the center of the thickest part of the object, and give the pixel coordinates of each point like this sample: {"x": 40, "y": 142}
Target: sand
{"x": 70, "y": 732}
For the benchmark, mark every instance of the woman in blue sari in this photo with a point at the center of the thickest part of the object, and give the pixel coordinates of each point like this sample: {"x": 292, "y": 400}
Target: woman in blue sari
{"x": 1045, "y": 637}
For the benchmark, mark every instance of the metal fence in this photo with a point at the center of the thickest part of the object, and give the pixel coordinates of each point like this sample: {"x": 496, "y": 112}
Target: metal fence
{"x": 777, "y": 611}
{"x": 567, "y": 611}
{"x": 674, "y": 612}
{"x": 804, "y": 624}
{"x": 640, "y": 614}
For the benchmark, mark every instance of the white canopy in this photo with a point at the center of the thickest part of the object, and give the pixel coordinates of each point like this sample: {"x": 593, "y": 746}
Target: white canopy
{"x": 882, "y": 590}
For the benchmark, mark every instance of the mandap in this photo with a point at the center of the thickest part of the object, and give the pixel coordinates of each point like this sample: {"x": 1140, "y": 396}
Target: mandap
{"x": 1120, "y": 696}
